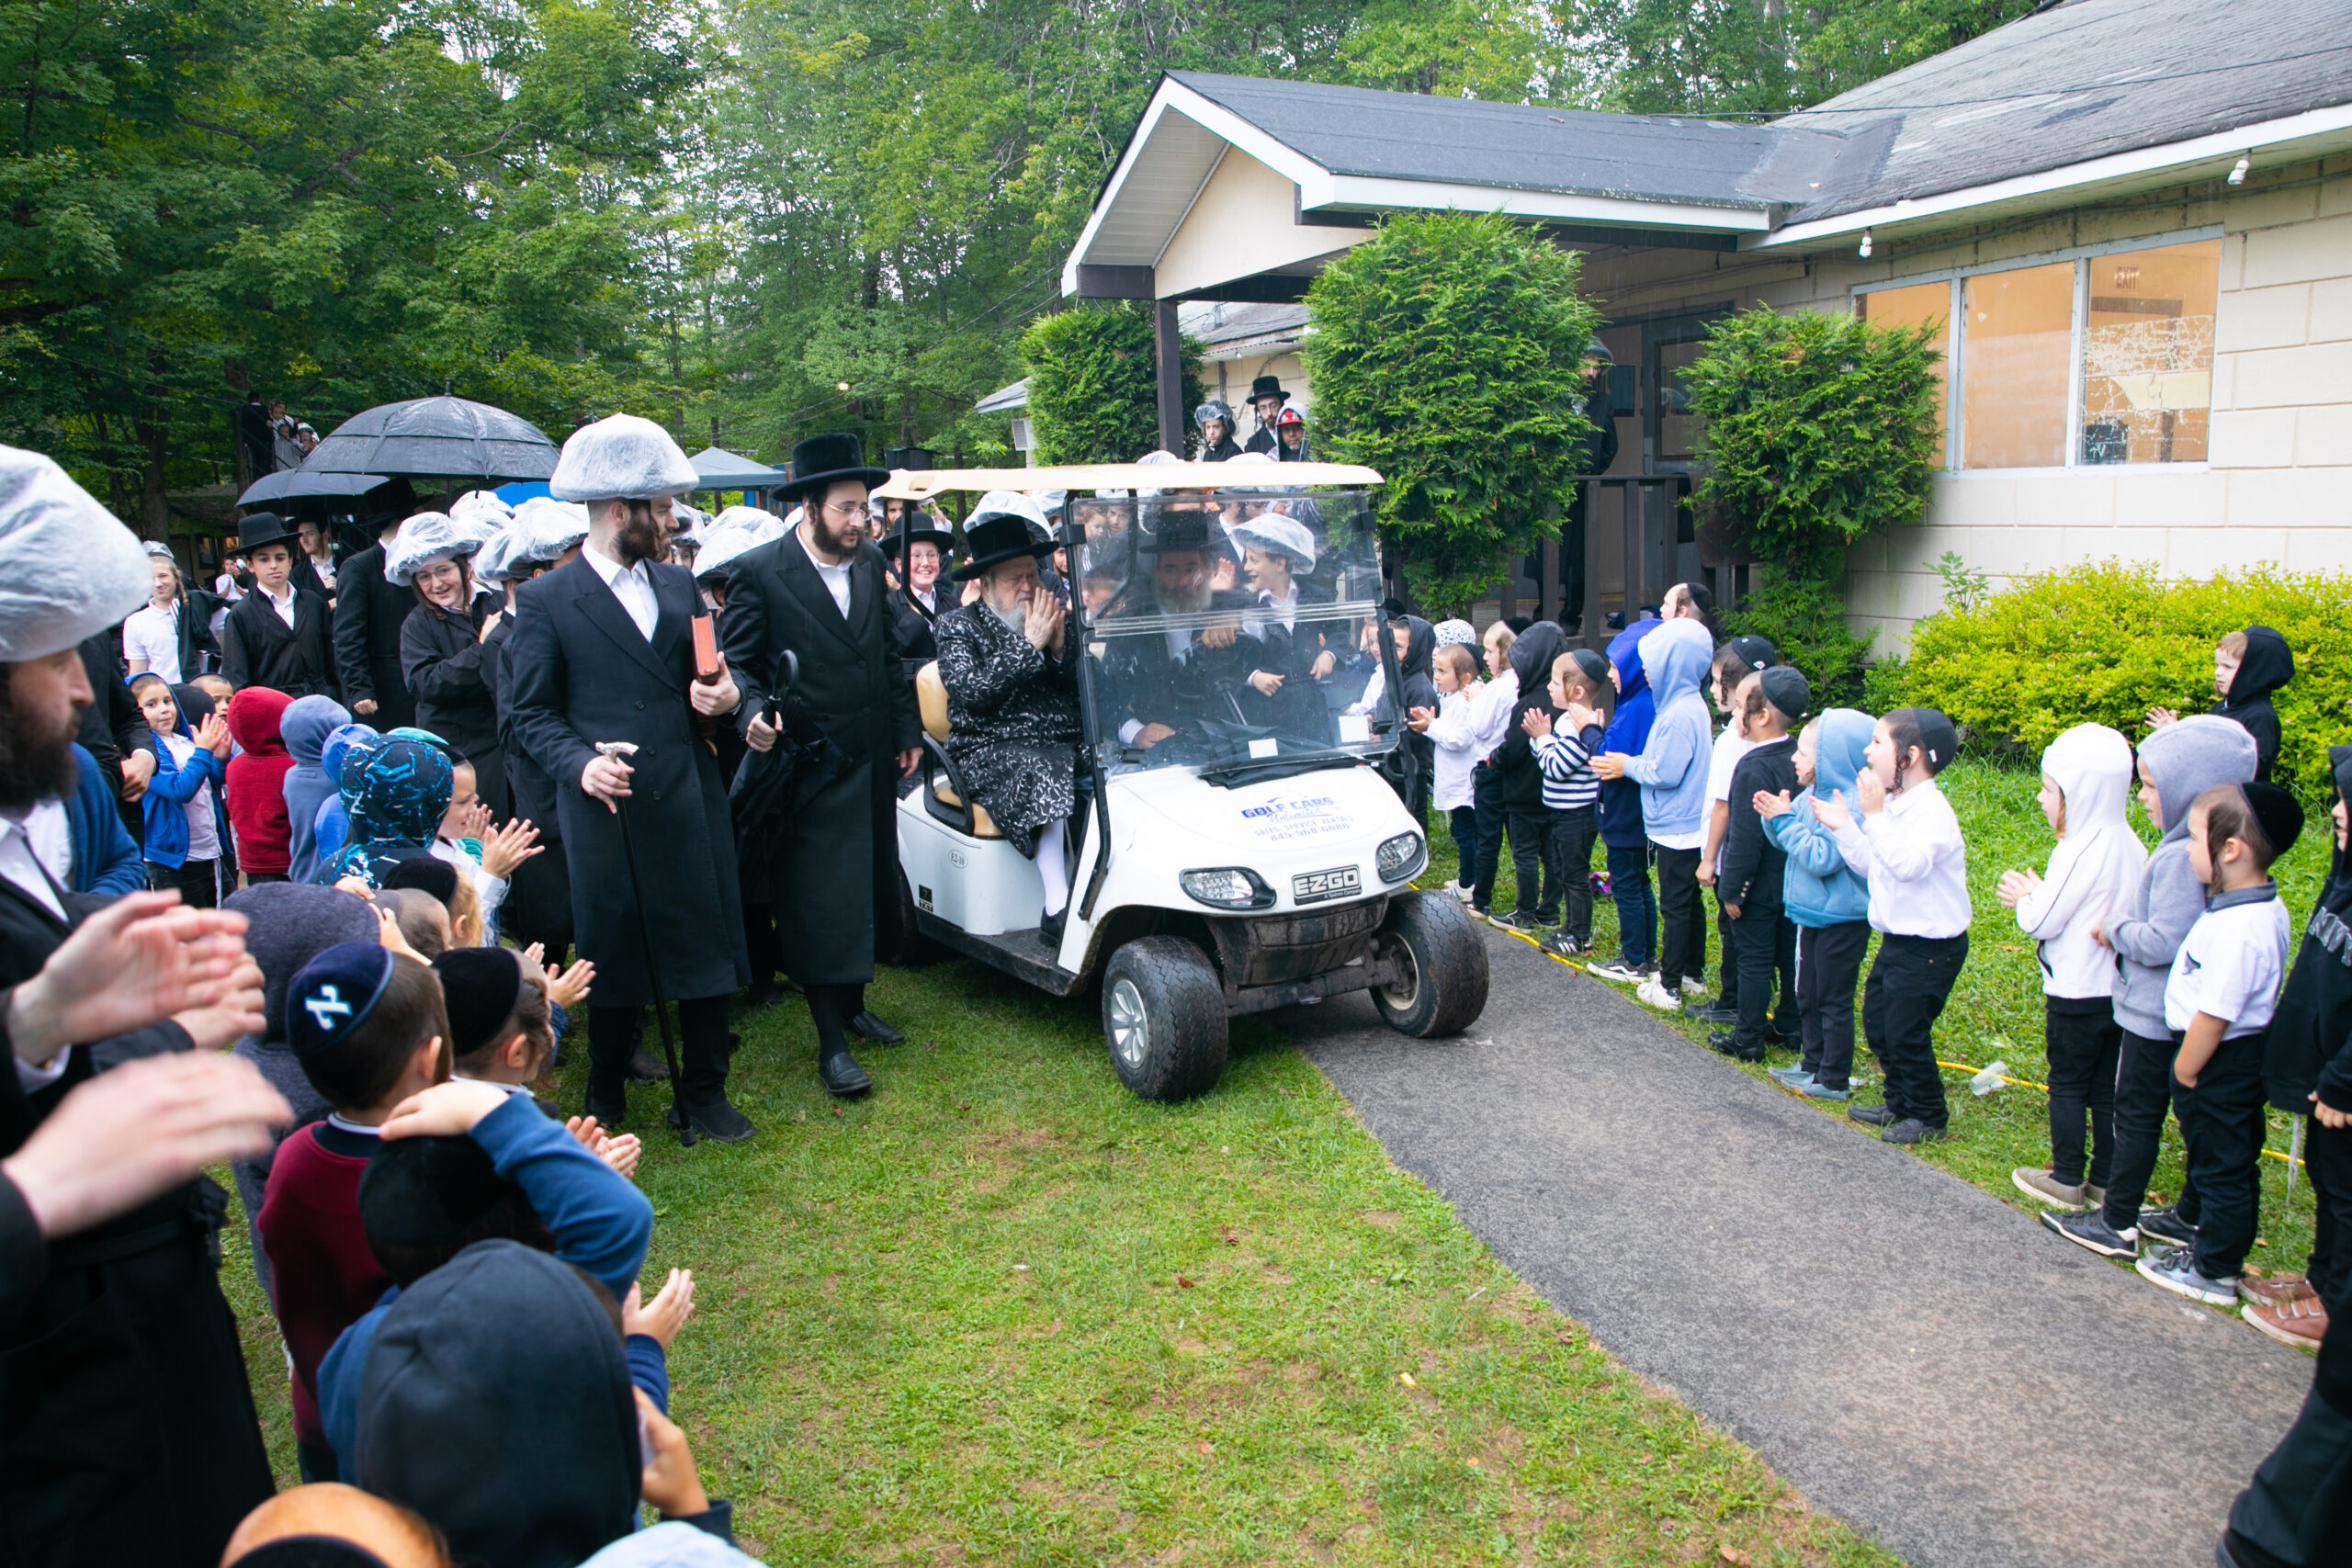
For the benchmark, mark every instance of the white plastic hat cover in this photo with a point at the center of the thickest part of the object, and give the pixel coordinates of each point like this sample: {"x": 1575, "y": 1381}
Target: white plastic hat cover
{"x": 67, "y": 568}
{"x": 505, "y": 557}
{"x": 424, "y": 538}
{"x": 692, "y": 520}
{"x": 481, "y": 514}
{"x": 1272, "y": 531}
{"x": 723, "y": 546}
{"x": 741, "y": 516}
{"x": 554, "y": 525}
{"x": 623, "y": 457}
{"x": 1008, "y": 503}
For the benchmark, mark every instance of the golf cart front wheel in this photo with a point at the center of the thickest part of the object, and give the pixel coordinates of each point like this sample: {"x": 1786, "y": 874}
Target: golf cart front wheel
{"x": 1163, "y": 1018}
{"x": 1439, "y": 985}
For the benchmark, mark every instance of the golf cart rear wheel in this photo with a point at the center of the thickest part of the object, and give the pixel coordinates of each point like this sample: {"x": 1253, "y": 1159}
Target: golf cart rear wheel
{"x": 1163, "y": 1018}
{"x": 1441, "y": 983}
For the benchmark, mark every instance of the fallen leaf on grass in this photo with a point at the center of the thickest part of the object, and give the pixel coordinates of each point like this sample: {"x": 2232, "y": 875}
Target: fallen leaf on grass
{"x": 1227, "y": 1236}
{"x": 1407, "y": 1379}
{"x": 1183, "y": 1283}
{"x": 2261, "y": 1241}
{"x": 1733, "y": 1555}
{"x": 1206, "y": 1448}
{"x": 931, "y": 1045}
{"x": 837, "y": 1110}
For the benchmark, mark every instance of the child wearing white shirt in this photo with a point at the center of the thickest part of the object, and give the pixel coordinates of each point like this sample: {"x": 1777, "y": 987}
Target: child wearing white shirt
{"x": 1908, "y": 848}
{"x": 1455, "y": 671}
{"x": 2218, "y": 1002}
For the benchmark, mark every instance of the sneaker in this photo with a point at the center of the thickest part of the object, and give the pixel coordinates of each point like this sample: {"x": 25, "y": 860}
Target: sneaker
{"x": 1694, "y": 985}
{"x": 2044, "y": 1187}
{"x": 2166, "y": 1227}
{"x": 2275, "y": 1290}
{"x": 1911, "y": 1130}
{"x": 2175, "y": 1268}
{"x": 1617, "y": 969}
{"x": 1458, "y": 891}
{"x": 1514, "y": 921}
{"x": 2093, "y": 1196}
{"x": 1792, "y": 1075}
{"x": 2302, "y": 1324}
{"x": 2091, "y": 1231}
{"x": 1565, "y": 946}
{"x": 1658, "y": 996}
{"x": 1813, "y": 1088}
{"x": 1871, "y": 1115}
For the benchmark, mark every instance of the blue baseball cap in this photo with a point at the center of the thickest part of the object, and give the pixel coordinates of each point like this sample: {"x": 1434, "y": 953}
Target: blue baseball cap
{"x": 333, "y": 993}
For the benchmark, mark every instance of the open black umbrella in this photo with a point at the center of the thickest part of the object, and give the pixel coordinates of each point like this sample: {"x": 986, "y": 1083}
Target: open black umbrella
{"x": 437, "y": 438}
{"x": 307, "y": 484}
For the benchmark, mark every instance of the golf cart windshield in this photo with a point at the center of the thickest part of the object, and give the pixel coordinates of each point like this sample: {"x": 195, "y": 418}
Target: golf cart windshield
{"x": 1231, "y": 627}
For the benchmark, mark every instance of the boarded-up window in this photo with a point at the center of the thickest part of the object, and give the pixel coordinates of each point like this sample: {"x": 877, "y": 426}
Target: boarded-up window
{"x": 1919, "y": 305}
{"x": 2018, "y": 331}
{"x": 2148, "y": 355}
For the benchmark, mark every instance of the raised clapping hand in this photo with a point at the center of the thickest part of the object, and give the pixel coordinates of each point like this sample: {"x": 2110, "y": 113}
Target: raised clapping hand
{"x": 1581, "y": 717}
{"x": 1044, "y": 626}
{"x": 475, "y": 825}
{"x": 569, "y": 988}
{"x": 2016, "y": 888}
{"x": 509, "y": 847}
{"x": 1769, "y": 805}
{"x": 1417, "y": 720}
{"x": 1609, "y": 764}
{"x": 1833, "y": 813}
{"x": 618, "y": 1151}
{"x": 667, "y": 1313}
{"x": 139, "y": 960}
{"x": 1869, "y": 792}
{"x": 1537, "y": 722}
{"x": 213, "y": 735}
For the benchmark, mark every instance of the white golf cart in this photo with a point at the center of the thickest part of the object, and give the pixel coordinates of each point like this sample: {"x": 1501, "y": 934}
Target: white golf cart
{"x": 1237, "y": 849}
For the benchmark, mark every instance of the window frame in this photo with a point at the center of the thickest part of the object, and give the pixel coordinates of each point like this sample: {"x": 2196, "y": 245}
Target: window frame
{"x": 1956, "y": 333}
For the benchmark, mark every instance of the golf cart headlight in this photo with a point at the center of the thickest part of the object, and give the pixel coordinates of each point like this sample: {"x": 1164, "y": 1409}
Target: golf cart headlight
{"x": 1228, "y": 887}
{"x": 1401, "y": 856}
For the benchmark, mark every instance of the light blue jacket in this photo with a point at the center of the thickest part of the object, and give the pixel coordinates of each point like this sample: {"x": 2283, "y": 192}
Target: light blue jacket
{"x": 1819, "y": 888}
{"x": 1672, "y": 768}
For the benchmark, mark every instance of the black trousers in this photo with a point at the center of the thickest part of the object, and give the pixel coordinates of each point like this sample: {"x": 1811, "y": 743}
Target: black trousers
{"x": 1908, "y": 989}
{"x": 2221, "y": 1127}
{"x": 2297, "y": 1513}
{"x": 2143, "y": 1095}
{"x": 1531, "y": 861}
{"x": 2327, "y": 1162}
{"x": 1830, "y": 967}
{"x": 1726, "y": 957}
{"x": 759, "y": 943}
{"x": 615, "y": 1033}
{"x": 197, "y": 882}
{"x": 2082, "y": 1040}
{"x": 1762, "y": 945}
{"x": 1572, "y": 833}
{"x": 1487, "y": 800}
{"x": 1682, "y": 939}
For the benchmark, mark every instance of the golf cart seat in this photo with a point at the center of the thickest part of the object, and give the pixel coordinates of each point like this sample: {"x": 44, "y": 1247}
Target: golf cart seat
{"x": 944, "y": 795}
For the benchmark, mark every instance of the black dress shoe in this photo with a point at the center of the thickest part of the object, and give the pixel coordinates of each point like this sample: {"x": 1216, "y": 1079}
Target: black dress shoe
{"x": 874, "y": 1031}
{"x": 842, "y": 1075}
{"x": 1727, "y": 1044}
{"x": 646, "y": 1067}
{"x": 1050, "y": 929}
{"x": 767, "y": 993}
{"x": 720, "y": 1122}
{"x": 609, "y": 1113}
{"x": 1871, "y": 1115}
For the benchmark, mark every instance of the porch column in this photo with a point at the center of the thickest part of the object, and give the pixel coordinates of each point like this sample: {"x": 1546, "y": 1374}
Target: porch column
{"x": 1168, "y": 369}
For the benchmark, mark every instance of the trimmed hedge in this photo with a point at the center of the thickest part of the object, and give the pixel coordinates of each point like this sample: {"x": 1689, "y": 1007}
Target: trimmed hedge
{"x": 2104, "y": 643}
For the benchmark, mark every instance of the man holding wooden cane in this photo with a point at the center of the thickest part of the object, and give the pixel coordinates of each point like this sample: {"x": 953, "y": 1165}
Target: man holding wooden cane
{"x": 603, "y": 651}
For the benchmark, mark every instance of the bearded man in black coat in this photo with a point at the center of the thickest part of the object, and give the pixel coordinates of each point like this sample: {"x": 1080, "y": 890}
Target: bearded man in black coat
{"x": 819, "y": 595}
{"x": 603, "y": 651}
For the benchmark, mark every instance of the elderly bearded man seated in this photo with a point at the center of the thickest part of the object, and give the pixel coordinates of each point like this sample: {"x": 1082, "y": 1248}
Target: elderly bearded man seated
{"x": 1012, "y": 694}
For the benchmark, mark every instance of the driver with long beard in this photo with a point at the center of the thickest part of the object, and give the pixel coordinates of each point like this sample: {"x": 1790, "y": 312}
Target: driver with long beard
{"x": 1165, "y": 683}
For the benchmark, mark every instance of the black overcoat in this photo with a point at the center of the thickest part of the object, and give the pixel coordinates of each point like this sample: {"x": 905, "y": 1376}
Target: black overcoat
{"x": 259, "y": 649}
{"x": 369, "y": 615}
{"x": 538, "y": 895}
{"x": 127, "y": 1426}
{"x": 449, "y": 671}
{"x": 580, "y": 672}
{"x": 834, "y": 883}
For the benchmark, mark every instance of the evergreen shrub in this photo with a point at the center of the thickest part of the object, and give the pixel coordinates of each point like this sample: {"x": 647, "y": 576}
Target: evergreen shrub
{"x": 1092, "y": 395}
{"x": 1805, "y": 622}
{"x": 2104, "y": 643}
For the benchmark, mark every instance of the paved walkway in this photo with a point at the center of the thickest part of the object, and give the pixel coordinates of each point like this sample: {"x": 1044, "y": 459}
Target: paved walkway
{"x": 1905, "y": 1350}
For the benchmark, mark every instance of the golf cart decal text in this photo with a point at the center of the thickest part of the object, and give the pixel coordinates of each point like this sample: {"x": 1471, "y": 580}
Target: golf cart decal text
{"x": 1280, "y": 821}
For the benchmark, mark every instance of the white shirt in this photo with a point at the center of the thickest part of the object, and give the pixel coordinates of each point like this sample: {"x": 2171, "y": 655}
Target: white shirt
{"x": 325, "y": 569}
{"x": 489, "y": 891}
{"x": 1455, "y": 731}
{"x": 927, "y": 597}
{"x": 203, "y": 827}
{"x": 836, "y": 578}
{"x": 632, "y": 585}
{"x": 226, "y": 587}
{"x": 1730, "y": 746}
{"x": 154, "y": 635}
{"x": 2230, "y": 963}
{"x": 284, "y": 607}
{"x": 1915, "y": 863}
{"x": 20, "y": 865}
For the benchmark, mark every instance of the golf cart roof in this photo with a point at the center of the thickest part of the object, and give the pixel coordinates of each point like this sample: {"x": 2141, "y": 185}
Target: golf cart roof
{"x": 921, "y": 485}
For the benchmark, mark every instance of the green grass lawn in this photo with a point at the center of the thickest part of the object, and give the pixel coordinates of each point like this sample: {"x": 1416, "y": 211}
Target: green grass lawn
{"x": 1995, "y": 1010}
{"x": 1004, "y": 1312}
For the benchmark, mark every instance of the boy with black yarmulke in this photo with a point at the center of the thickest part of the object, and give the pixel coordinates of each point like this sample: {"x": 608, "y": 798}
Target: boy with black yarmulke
{"x": 502, "y": 1032}
{"x": 366, "y": 1028}
{"x": 1748, "y": 880}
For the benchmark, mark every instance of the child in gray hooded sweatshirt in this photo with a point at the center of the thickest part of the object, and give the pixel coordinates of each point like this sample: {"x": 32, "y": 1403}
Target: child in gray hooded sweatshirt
{"x": 2177, "y": 763}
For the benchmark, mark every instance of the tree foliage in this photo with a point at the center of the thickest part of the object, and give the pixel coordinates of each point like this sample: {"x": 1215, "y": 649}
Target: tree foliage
{"x": 1093, "y": 394}
{"x": 1448, "y": 352}
{"x": 1821, "y": 429}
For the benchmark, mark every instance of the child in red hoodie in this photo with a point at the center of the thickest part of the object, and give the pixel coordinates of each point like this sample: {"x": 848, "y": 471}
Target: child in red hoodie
{"x": 256, "y": 785}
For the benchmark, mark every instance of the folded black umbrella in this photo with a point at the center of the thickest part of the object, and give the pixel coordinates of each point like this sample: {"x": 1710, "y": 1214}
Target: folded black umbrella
{"x": 437, "y": 438}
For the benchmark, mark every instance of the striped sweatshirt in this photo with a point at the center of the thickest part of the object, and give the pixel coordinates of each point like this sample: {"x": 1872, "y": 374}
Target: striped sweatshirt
{"x": 1566, "y": 763}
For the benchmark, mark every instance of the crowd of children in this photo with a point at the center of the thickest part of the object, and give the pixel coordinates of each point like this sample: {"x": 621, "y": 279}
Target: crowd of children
{"x": 2162, "y": 972}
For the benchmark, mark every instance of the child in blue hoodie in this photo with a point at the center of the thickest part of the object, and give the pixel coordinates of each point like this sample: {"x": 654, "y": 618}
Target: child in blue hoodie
{"x": 187, "y": 839}
{"x": 1623, "y": 841}
{"x": 1825, "y": 898}
{"x": 1671, "y": 770}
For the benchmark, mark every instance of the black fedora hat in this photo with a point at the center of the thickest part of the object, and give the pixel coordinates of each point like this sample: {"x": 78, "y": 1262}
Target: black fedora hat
{"x": 256, "y": 529}
{"x": 1268, "y": 387}
{"x": 1001, "y": 536}
{"x": 918, "y": 527}
{"x": 822, "y": 460}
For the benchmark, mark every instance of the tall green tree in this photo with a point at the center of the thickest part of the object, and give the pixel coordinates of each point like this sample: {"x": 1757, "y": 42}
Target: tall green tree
{"x": 1448, "y": 352}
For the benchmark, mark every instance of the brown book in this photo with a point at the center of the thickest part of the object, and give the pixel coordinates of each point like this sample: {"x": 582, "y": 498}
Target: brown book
{"x": 705, "y": 650}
